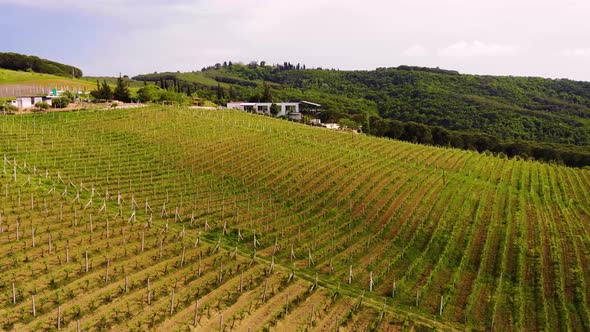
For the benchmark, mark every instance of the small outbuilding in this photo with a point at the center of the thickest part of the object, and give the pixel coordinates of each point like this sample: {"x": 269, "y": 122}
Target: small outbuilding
{"x": 29, "y": 101}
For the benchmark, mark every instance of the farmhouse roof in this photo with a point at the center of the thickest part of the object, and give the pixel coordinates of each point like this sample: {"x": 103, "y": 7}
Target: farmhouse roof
{"x": 310, "y": 103}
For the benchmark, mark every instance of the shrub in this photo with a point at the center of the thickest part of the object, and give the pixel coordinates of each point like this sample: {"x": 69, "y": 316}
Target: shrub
{"x": 148, "y": 93}
{"x": 274, "y": 109}
{"x": 8, "y": 108}
{"x": 347, "y": 123}
{"x": 60, "y": 102}
{"x": 168, "y": 96}
{"x": 69, "y": 95}
{"x": 42, "y": 105}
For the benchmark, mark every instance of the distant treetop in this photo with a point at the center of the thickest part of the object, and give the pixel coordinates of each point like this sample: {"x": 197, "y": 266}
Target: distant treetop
{"x": 428, "y": 70}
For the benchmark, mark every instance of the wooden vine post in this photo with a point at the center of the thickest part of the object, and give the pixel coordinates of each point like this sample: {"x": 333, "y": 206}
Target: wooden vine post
{"x": 196, "y": 316}
{"x": 86, "y": 261}
{"x": 172, "y": 302}
{"x": 241, "y": 280}
{"x": 106, "y": 275}
{"x": 149, "y": 295}
{"x": 59, "y": 317}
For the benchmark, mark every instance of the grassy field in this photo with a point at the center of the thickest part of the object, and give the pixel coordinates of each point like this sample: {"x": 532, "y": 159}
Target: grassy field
{"x": 172, "y": 218}
{"x": 201, "y": 78}
{"x": 11, "y": 77}
{"x": 17, "y": 83}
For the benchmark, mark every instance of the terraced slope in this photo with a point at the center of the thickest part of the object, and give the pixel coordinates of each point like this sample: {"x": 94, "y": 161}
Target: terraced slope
{"x": 241, "y": 221}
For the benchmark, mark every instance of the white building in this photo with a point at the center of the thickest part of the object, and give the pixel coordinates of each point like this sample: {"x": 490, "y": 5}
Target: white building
{"x": 29, "y": 101}
{"x": 333, "y": 126}
{"x": 289, "y": 110}
{"x": 315, "y": 122}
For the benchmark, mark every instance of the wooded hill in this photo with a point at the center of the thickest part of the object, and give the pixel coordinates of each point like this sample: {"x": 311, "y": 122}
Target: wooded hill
{"x": 15, "y": 61}
{"x": 532, "y": 117}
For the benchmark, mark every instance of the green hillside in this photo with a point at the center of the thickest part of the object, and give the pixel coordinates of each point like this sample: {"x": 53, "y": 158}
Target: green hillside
{"x": 506, "y": 107}
{"x": 238, "y": 221}
{"x": 11, "y": 78}
{"x": 516, "y": 116}
{"x": 192, "y": 77}
{"x": 534, "y": 109}
{"x": 22, "y": 75}
{"x": 15, "y": 61}
{"x": 112, "y": 81}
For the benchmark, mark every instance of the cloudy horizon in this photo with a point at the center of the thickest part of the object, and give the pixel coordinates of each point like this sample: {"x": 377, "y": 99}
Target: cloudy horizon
{"x": 543, "y": 38}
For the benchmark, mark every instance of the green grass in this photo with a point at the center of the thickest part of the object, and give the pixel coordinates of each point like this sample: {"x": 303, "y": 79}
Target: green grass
{"x": 503, "y": 241}
{"x": 190, "y": 77}
{"x": 112, "y": 81}
{"x": 11, "y": 77}
{"x": 201, "y": 78}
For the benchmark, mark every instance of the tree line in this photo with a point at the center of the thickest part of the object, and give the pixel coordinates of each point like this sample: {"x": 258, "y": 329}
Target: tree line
{"x": 566, "y": 154}
{"x": 510, "y": 108}
{"x": 528, "y": 117}
{"x": 104, "y": 92}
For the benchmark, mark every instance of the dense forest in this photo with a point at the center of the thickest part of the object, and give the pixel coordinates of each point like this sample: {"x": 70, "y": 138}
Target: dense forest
{"x": 15, "y": 61}
{"x": 530, "y": 117}
{"x": 536, "y": 109}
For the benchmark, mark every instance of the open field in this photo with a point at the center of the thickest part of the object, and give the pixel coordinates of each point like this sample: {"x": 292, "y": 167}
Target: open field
{"x": 171, "y": 218}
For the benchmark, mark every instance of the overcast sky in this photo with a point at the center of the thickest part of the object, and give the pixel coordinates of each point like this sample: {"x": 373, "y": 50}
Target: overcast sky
{"x": 548, "y": 38}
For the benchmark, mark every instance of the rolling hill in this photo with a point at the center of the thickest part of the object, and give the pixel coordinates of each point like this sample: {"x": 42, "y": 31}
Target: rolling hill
{"x": 15, "y": 61}
{"x": 13, "y": 83}
{"x": 508, "y": 108}
{"x": 174, "y": 218}
{"x": 532, "y": 118}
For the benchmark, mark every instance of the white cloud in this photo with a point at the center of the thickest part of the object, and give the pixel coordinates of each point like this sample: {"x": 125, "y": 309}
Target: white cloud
{"x": 575, "y": 52}
{"x": 477, "y": 49}
{"x": 415, "y": 51}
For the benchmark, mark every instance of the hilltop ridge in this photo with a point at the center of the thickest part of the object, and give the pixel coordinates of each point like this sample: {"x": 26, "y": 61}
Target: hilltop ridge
{"x": 16, "y": 61}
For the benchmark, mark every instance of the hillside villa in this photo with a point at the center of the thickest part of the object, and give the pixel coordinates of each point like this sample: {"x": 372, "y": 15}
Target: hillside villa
{"x": 291, "y": 110}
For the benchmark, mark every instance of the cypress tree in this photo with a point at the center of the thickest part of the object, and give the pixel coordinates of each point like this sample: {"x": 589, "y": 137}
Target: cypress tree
{"x": 122, "y": 92}
{"x": 266, "y": 95}
{"x": 220, "y": 93}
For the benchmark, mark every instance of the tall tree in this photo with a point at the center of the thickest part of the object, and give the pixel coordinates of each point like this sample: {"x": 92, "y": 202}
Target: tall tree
{"x": 220, "y": 93}
{"x": 266, "y": 94}
{"x": 103, "y": 91}
{"x": 232, "y": 93}
{"x": 122, "y": 92}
